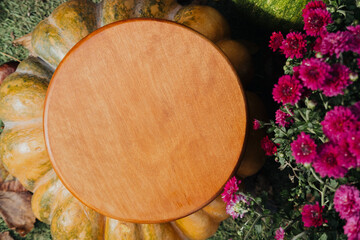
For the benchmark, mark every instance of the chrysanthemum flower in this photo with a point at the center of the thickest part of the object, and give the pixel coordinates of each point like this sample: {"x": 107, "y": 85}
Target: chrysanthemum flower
{"x": 288, "y": 90}
{"x": 238, "y": 207}
{"x": 303, "y": 148}
{"x": 282, "y": 118}
{"x": 280, "y": 234}
{"x": 355, "y": 109}
{"x": 230, "y": 190}
{"x": 276, "y": 41}
{"x": 312, "y": 215}
{"x": 347, "y": 201}
{"x": 337, "y": 122}
{"x": 326, "y": 162}
{"x": 353, "y": 139}
{"x": 346, "y": 158}
{"x": 315, "y": 19}
{"x": 268, "y": 146}
{"x": 352, "y": 228}
{"x": 339, "y": 80}
{"x": 256, "y": 124}
{"x": 337, "y": 43}
{"x": 355, "y": 31}
{"x": 294, "y": 46}
{"x": 314, "y": 72}
{"x": 314, "y": 5}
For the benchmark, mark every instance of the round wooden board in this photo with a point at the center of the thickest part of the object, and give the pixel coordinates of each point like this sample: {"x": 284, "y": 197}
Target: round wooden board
{"x": 145, "y": 121}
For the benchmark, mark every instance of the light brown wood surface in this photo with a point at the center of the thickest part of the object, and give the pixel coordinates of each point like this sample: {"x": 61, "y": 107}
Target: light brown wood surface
{"x": 145, "y": 121}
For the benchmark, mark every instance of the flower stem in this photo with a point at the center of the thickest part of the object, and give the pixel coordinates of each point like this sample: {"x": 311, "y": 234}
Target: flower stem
{"x": 326, "y": 104}
{"x": 323, "y": 196}
{"x": 252, "y": 226}
{"x": 316, "y": 176}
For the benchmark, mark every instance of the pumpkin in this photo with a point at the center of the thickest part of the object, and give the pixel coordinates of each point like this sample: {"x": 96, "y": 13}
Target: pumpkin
{"x": 22, "y": 97}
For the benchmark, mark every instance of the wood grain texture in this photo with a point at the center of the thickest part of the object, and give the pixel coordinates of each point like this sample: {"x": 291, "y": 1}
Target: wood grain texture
{"x": 145, "y": 121}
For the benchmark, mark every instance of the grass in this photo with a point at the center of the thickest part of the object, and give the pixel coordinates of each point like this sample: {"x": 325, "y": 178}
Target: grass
{"x": 41, "y": 231}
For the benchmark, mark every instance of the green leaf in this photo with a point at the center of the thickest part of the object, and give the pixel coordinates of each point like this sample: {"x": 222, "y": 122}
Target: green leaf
{"x": 323, "y": 237}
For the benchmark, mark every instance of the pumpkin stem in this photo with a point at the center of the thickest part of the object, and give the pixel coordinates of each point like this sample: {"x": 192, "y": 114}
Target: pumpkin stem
{"x": 25, "y": 41}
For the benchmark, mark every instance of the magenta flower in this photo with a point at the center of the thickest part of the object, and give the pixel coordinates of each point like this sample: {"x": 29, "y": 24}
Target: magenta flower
{"x": 303, "y": 148}
{"x": 315, "y": 19}
{"x": 314, "y": 72}
{"x": 282, "y": 118}
{"x": 312, "y": 215}
{"x": 238, "y": 207}
{"x": 346, "y": 157}
{"x": 230, "y": 190}
{"x": 355, "y": 109}
{"x": 347, "y": 201}
{"x": 353, "y": 140}
{"x": 317, "y": 45}
{"x": 326, "y": 163}
{"x": 352, "y": 228}
{"x": 355, "y": 31}
{"x": 294, "y": 45}
{"x": 336, "y": 43}
{"x": 339, "y": 80}
{"x": 276, "y": 41}
{"x": 280, "y": 234}
{"x": 288, "y": 90}
{"x": 268, "y": 146}
{"x": 337, "y": 122}
{"x": 256, "y": 124}
{"x": 314, "y": 5}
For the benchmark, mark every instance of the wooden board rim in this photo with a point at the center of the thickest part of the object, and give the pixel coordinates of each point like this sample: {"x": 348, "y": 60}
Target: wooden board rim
{"x": 77, "y": 45}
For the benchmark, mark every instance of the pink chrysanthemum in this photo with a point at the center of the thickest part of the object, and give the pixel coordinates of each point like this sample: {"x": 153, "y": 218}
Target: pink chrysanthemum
{"x": 336, "y": 43}
{"x": 280, "y": 234}
{"x": 314, "y": 5}
{"x": 238, "y": 207}
{"x": 314, "y": 20}
{"x": 282, "y": 118}
{"x": 317, "y": 45}
{"x": 256, "y": 124}
{"x": 230, "y": 190}
{"x": 294, "y": 45}
{"x": 337, "y": 122}
{"x": 346, "y": 157}
{"x": 358, "y": 62}
{"x": 268, "y": 146}
{"x": 276, "y": 41}
{"x": 288, "y": 90}
{"x": 355, "y": 109}
{"x": 326, "y": 162}
{"x": 312, "y": 215}
{"x": 353, "y": 140}
{"x": 314, "y": 72}
{"x": 303, "y": 148}
{"x": 355, "y": 31}
{"x": 339, "y": 80}
{"x": 347, "y": 201}
{"x": 352, "y": 228}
